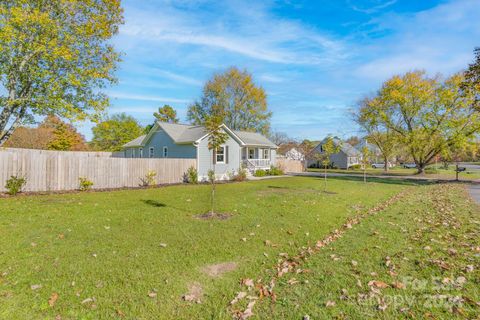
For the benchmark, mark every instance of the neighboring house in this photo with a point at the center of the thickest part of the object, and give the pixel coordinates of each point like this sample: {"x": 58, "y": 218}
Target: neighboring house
{"x": 167, "y": 140}
{"x": 294, "y": 154}
{"x": 375, "y": 152}
{"x": 347, "y": 156}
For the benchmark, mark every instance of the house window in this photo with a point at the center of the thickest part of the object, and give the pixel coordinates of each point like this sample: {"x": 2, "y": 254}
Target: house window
{"x": 141, "y": 152}
{"x": 251, "y": 153}
{"x": 221, "y": 155}
{"x": 133, "y": 153}
{"x": 165, "y": 152}
{"x": 150, "y": 152}
{"x": 266, "y": 153}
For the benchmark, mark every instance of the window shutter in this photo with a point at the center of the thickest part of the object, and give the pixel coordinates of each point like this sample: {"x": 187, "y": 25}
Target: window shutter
{"x": 226, "y": 154}
{"x": 214, "y": 156}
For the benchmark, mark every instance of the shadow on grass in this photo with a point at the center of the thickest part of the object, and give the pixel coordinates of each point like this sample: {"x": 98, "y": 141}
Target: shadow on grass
{"x": 399, "y": 181}
{"x": 154, "y": 203}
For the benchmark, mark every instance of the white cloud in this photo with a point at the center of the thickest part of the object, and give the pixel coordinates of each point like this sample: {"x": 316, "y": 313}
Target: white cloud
{"x": 248, "y": 30}
{"x": 178, "y": 77}
{"x": 374, "y": 8}
{"x": 140, "y": 97}
{"x": 271, "y": 78}
{"x": 441, "y": 39}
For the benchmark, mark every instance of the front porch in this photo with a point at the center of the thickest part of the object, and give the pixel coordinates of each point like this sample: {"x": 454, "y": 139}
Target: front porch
{"x": 255, "y": 158}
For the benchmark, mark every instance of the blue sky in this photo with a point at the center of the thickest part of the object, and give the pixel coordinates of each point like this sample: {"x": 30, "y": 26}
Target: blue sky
{"x": 315, "y": 59}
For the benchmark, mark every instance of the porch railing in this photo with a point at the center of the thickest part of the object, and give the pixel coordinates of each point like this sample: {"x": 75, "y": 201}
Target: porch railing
{"x": 257, "y": 163}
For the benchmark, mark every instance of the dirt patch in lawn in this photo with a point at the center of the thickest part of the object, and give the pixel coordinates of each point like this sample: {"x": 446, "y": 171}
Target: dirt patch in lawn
{"x": 217, "y": 270}
{"x": 214, "y": 216}
{"x": 194, "y": 294}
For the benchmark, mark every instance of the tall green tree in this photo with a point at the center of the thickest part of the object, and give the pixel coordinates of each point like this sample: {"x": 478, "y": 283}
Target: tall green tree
{"x": 427, "y": 115}
{"x": 471, "y": 84}
{"x": 115, "y": 131}
{"x": 166, "y": 114}
{"x": 217, "y": 137}
{"x": 233, "y": 97}
{"x": 384, "y": 137}
{"x": 55, "y": 58}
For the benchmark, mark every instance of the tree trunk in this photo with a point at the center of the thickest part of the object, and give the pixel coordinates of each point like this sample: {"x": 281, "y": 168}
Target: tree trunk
{"x": 421, "y": 169}
{"x": 456, "y": 171}
{"x": 213, "y": 192}
{"x": 325, "y": 179}
{"x": 385, "y": 168}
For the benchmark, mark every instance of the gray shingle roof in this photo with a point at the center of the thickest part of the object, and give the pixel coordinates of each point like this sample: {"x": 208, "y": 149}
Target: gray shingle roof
{"x": 373, "y": 148}
{"x": 182, "y": 133}
{"x": 346, "y": 147}
{"x": 253, "y": 138}
{"x": 135, "y": 142}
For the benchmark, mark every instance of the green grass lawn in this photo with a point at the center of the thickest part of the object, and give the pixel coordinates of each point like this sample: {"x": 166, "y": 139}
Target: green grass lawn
{"x": 133, "y": 254}
{"x": 105, "y": 248}
{"x": 424, "y": 253}
{"x": 400, "y": 171}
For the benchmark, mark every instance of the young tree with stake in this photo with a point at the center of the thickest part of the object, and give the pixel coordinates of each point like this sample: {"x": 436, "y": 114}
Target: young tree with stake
{"x": 216, "y": 138}
{"x": 327, "y": 148}
{"x": 366, "y": 155}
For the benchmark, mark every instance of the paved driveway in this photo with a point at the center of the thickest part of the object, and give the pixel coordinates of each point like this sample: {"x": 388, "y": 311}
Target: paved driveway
{"x": 474, "y": 190}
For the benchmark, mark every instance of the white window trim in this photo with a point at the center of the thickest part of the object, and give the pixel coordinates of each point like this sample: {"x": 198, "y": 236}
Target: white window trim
{"x": 141, "y": 152}
{"x": 222, "y": 154}
{"x": 133, "y": 152}
{"x": 266, "y": 154}
{"x": 165, "y": 152}
{"x": 151, "y": 152}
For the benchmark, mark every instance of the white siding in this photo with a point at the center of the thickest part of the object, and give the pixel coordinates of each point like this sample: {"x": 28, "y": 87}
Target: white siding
{"x": 205, "y": 160}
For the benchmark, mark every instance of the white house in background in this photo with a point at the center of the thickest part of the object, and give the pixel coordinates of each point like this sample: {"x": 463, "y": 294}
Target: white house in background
{"x": 168, "y": 140}
{"x": 294, "y": 154}
{"x": 377, "y": 157}
{"x": 347, "y": 156}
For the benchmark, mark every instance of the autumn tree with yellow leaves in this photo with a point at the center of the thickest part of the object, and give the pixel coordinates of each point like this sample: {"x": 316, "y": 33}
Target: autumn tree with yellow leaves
{"x": 55, "y": 59}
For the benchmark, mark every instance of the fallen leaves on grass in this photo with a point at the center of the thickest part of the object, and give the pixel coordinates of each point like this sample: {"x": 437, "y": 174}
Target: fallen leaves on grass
{"x": 239, "y": 297}
{"x": 88, "y": 300}
{"x": 330, "y": 304}
{"x": 378, "y": 284}
{"x": 291, "y": 264}
{"x": 53, "y": 299}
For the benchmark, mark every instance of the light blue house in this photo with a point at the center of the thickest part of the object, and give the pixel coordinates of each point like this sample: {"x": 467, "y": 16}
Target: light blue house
{"x": 168, "y": 140}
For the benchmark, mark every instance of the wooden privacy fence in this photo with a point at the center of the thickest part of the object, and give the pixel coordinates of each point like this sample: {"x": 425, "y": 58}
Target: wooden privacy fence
{"x": 59, "y": 170}
{"x": 288, "y": 165}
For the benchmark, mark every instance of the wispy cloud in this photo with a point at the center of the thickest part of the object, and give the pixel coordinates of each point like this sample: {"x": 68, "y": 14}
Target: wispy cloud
{"x": 253, "y": 33}
{"x": 435, "y": 40}
{"x": 138, "y": 97}
{"x": 314, "y": 58}
{"x": 374, "y": 9}
{"x": 178, "y": 77}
